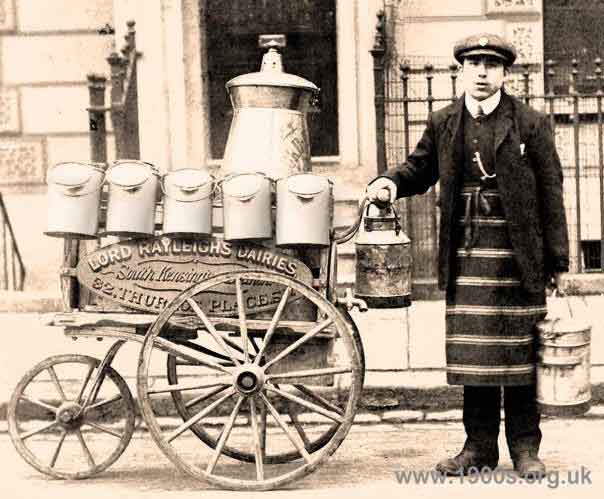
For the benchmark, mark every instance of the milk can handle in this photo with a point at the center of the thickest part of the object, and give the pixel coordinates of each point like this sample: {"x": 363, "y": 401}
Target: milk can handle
{"x": 84, "y": 192}
{"x": 556, "y": 292}
{"x": 552, "y": 334}
{"x": 347, "y": 234}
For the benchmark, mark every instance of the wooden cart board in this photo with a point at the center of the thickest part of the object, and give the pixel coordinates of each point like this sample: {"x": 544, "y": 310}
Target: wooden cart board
{"x": 146, "y": 274}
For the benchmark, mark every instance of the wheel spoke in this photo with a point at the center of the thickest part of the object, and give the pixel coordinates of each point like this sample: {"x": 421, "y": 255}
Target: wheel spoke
{"x": 293, "y": 437}
{"x": 320, "y": 400}
{"x": 211, "y": 329}
{"x": 258, "y": 451}
{"x": 191, "y": 421}
{"x": 263, "y": 430}
{"x": 310, "y": 373}
{"x": 273, "y": 324}
{"x": 293, "y": 415}
{"x": 103, "y": 403}
{"x": 228, "y": 427}
{"x": 104, "y": 429}
{"x": 309, "y": 405}
{"x": 242, "y": 322}
{"x": 206, "y": 396}
{"x": 25, "y": 436}
{"x": 255, "y": 345}
{"x": 55, "y": 455}
{"x": 181, "y": 387}
{"x": 39, "y": 403}
{"x": 55, "y": 380}
{"x": 187, "y": 354}
{"x": 311, "y": 334}
{"x": 85, "y": 448}
{"x": 84, "y": 383}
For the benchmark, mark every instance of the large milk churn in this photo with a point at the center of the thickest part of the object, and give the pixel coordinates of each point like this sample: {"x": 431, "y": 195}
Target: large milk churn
{"x": 563, "y": 366}
{"x": 74, "y": 193}
{"x": 383, "y": 260}
{"x": 187, "y": 202}
{"x": 269, "y": 131}
{"x": 304, "y": 203}
{"x": 247, "y": 212}
{"x": 133, "y": 193}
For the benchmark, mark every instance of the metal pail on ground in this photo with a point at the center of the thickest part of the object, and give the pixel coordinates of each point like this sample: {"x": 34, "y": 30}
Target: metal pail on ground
{"x": 187, "y": 202}
{"x": 246, "y": 201}
{"x": 74, "y": 193}
{"x": 563, "y": 367}
{"x": 133, "y": 193}
{"x": 304, "y": 203}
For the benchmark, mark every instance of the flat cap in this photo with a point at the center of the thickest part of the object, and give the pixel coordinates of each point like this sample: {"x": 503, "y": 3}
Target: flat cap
{"x": 485, "y": 44}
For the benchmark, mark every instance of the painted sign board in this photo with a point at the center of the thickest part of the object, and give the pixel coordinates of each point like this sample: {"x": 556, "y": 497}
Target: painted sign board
{"x": 147, "y": 274}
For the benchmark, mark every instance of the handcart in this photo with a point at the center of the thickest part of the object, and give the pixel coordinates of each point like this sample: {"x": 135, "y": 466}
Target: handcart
{"x": 245, "y": 346}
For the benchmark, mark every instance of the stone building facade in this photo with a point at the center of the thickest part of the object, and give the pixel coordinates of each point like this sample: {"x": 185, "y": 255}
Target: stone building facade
{"x": 47, "y": 48}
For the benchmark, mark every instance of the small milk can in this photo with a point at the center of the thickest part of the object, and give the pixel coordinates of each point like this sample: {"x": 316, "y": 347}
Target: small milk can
{"x": 133, "y": 193}
{"x": 247, "y": 213}
{"x": 74, "y": 193}
{"x": 563, "y": 366}
{"x": 187, "y": 202}
{"x": 383, "y": 260}
{"x": 304, "y": 204}
{"x": 269, "y": 131}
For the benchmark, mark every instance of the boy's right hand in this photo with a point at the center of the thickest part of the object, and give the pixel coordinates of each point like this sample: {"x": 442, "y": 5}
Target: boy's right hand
{"x": 375, "y": 188}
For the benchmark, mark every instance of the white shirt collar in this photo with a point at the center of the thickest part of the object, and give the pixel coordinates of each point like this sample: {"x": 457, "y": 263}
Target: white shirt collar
{"x": 488, "y": 105}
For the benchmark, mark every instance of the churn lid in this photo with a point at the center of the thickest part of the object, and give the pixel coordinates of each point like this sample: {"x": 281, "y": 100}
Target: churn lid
{"x": 130, "y": 173}
{"x": 188, "y": 178}
{"x": 307, "y": 184}
{"x": 271, "y": 75}
{"x": 243, "y": 186}
{"x": 71, "y": 174}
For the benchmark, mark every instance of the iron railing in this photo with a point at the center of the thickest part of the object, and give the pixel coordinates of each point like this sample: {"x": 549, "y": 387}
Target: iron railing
{"x": 123, "y": 108}
{"x": 407, "y": 92}
{"x": 12, "y": 269}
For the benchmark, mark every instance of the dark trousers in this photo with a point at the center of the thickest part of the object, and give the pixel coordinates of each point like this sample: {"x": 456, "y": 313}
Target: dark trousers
{"x": 482, "y": 417}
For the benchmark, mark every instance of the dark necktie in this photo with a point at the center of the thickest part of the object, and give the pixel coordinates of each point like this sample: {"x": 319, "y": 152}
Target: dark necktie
{"x": 479, "y": 112}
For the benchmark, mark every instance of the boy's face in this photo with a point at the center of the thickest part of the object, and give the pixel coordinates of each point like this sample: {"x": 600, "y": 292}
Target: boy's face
{"x": 483, "y": 75}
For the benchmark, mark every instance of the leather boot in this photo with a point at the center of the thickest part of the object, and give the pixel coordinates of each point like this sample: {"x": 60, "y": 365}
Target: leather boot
{"x": 528, "y": 465}
{"x": 469, "y": 459}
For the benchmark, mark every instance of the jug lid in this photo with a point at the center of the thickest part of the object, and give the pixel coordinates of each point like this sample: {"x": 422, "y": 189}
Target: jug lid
{"x": 307, "y": 184}
{"x": 129, "y": 174}
{"x": 71, "y": 174}
{"x": 271, "y": 75}
{"x": 188, "y": 178}
{"x": 243, "y": 185}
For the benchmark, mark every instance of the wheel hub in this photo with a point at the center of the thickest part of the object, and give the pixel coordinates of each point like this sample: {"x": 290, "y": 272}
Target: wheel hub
{"x": 249, "y": 379}
{"x": 69, "y": 415}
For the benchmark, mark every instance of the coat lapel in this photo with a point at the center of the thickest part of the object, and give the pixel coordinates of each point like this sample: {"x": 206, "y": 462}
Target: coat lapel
{"x": 455, "y": 128}
{"x": 505, "y": 121}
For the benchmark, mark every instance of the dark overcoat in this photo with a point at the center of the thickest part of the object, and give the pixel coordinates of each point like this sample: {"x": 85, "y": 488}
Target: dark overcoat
{"x": 529, "y": 179}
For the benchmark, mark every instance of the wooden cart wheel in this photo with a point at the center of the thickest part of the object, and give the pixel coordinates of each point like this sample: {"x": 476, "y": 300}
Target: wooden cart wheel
{"x": 57, "y": 401}
{"x": 256, "y": 391}
{"x": 205, "y": 435}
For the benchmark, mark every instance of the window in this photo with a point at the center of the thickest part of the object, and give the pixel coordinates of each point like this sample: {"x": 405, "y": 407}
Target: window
{"x": 232, "y": 28}
{"x": 591, "y": 254}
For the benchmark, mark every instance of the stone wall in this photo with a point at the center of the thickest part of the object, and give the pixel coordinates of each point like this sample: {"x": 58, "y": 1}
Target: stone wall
{"x": 425, "y": 30}
{"x": 46, "y": 51}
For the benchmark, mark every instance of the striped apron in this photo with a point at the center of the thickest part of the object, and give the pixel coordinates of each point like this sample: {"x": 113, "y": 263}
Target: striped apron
{"x": 490, "y": 317}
